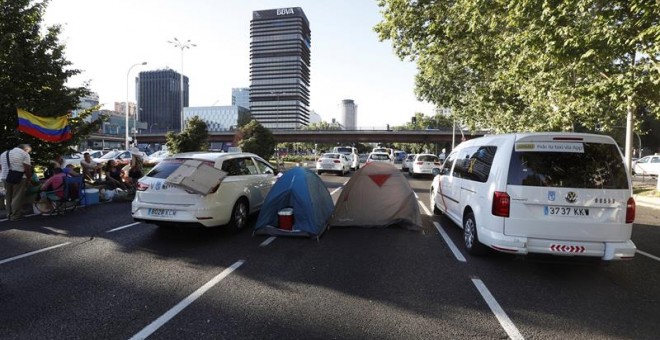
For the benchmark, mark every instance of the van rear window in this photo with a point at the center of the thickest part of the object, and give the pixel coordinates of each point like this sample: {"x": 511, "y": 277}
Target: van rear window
{"x": 597, "y": 166}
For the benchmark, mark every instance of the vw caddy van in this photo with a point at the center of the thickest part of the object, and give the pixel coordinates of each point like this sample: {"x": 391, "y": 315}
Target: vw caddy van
{"x": 551, "y": 193}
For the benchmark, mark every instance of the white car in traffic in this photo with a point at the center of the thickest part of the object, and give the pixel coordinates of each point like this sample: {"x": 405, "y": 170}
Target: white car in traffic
{"x": 242, "y": 192}
{"x": 382, "y": 157}
{"x": 423, "y": 164}
{"x": 649, "y": 165}
{"x": 333, "y": 162}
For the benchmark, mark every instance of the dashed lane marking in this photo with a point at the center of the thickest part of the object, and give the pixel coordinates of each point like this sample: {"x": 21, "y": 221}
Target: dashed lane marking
{"x": 122, "y": 227}
{"x": 33, "y": 253}
{"x": 495, "y": 307}
{"x": 459, "y": 256}
{"x": 267, "y": 241}
{"x": 648, "y": 255}
{"x": 154, "y": 326}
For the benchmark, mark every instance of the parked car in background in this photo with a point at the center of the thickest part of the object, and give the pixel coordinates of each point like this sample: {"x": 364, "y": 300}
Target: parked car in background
{"x": 351, "y": 154}
{"x": 122, "y": 157}
{"x": 423, "y": 164}
{"x": 555, "y": 193}
{"x": 73, "y": 159}
{"x": 379, "y": 157}
{"x": 95, "y": 153}
{"x": 157, "y": 157}
{"x": 407, "y": 162}
{"x": 399, "y": 156}
{"x": 649, "y": 165}
{"x": 333, "y": 162}
{"x": 242, "y": 192}
{"x": 388, "y": 151}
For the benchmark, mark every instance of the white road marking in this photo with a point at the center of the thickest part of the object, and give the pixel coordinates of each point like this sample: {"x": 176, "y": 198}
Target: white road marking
{"x": 648, "y": 255}
{"x": 426, "y": 210}
{"x": 341, "y": 187}
{"x": 267, "y": 241}
{"x": 501, "y": 316}
{"x": 122, "y": 227}
{"x": 449, "y": 242}
{"x": 57, "y": 231}
{"x": 33, "y": 253}
{"x": 154, "y": 326}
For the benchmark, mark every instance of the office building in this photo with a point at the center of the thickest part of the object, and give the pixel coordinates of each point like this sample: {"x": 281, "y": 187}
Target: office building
{"x": 218, "y": 118}
{"x": 240, "y": 96}
{"x": 348, "y": 114}
{"x": 314, "y": 117}
{"x": 120, "y": 107}
{"x": 86, "y": 103}
{"x": 159, "y": 98}
{"x": 279, "y": 68}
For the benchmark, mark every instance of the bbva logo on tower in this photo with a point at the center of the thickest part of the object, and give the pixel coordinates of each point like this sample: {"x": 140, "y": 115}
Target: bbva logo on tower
{"x": 284, "y": 11}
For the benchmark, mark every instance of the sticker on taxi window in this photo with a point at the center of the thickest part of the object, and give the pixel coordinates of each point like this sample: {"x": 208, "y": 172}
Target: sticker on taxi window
{"x": 550, "y": 147}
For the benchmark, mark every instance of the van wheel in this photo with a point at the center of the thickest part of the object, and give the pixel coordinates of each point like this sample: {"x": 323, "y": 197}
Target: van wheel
{"x": 239, "y": 216}
{"x": 470, "y": 237}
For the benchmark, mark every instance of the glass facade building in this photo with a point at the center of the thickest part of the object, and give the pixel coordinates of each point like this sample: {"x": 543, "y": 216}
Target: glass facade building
{"x": 159, "y": 97}
{"x": 218, "y": 118}
{"x": 241, "y": 96}
{"x": 280, "y": 67}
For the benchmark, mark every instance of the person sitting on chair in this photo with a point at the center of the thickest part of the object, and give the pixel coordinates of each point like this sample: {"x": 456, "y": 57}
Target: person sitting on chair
{"x": 90, "y": 168}
{"x": 54, "y": 185}
{"x": 113, "y": 176}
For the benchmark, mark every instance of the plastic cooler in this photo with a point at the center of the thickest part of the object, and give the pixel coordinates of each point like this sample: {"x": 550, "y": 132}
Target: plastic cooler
{"x": 91, "y": 196}
{"x": 286, "y": 218}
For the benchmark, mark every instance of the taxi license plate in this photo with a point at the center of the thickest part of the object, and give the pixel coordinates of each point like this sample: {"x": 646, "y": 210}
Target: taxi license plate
{"x": 566, "y": 211}
{"x": 161, "y": 212}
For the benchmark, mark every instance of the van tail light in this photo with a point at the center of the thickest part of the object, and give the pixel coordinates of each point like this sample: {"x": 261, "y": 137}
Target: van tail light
{"x": 142, "y": 187}
{"x": 630, "y": 210}
{"x": 336, "y": 161}
{"x": 501, "y": 204}
{"x": 437, "y": 163}
{"x": 419, "y": 163}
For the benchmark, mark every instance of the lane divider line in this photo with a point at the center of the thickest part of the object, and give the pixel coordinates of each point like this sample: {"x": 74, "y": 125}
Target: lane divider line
{"x": 57, "y": 231}
{"x": 459, "y": 256}
{"x": 495, "y": 307}
{"x": 339, "y": 188}
{"x": 267, "y": 241}
{"x": 123, "y": 227}
{"x": 154, "y": 326}
{"x": 426, "y": 210}
{"x": 648, "y": 255}
{"x": 33, "y": 253}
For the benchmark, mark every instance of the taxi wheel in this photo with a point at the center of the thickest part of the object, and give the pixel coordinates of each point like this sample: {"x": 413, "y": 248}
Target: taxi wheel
{"x": 470, "y": 237}
{"x": 239, "y": 215}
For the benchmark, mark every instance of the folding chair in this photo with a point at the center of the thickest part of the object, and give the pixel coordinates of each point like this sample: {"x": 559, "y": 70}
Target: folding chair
{"x": 72, "y": 196}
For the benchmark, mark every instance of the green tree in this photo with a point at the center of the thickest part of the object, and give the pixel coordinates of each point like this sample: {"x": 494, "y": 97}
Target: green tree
{"x": 254, "y": 137}
{"x": 33, "y": 74}
{"x": 528, "y": 65}
{"x": 193, "y": 138}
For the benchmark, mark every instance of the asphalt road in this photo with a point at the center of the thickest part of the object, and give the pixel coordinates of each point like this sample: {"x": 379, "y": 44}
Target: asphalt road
{"x": 94, "y": 274}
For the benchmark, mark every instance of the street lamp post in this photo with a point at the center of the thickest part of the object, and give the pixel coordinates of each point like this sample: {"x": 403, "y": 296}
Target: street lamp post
{"x": 182, "y": 45}
{"x": 126, "y": 107}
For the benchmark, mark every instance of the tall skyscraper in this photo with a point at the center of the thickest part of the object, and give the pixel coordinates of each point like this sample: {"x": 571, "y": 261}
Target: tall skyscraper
{"x": 159, "y": 97}
{"x": 240, "y": 96}
{"x": 279, "y": 68}
{"x": 348, "y": 114}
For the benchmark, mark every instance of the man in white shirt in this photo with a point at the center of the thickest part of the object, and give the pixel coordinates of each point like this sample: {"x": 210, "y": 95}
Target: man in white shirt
{"x": 91, "y": 169}
{"x": 17, "y": 159}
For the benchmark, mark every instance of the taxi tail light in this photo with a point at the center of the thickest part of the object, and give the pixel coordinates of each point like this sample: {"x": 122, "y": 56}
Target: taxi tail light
{"x": 630, "y": 210}
{"x": 336, "y": 161}
{"x": 501, "y": 204}
{"x": 419, "y": 163}
{"x": 436, "y": 163}
{"x": 142, "y": 187}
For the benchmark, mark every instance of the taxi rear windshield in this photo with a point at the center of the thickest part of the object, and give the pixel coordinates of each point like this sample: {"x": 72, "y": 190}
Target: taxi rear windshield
{"x": 595, "y": 166}
{"x": 165, "y": 168}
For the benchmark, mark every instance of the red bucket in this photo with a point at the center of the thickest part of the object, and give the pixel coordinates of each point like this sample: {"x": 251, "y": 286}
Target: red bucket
{"x": 286, "y": 218}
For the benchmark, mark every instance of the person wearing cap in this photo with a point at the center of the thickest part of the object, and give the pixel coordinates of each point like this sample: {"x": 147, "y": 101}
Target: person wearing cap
{"x": 16, "y": 159}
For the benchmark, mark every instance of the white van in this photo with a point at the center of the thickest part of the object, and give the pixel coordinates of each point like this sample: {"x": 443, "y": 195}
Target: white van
{"x": 351, "y": 153}
{"x": 552, "y": 193}
{"x": 388, "y": 151}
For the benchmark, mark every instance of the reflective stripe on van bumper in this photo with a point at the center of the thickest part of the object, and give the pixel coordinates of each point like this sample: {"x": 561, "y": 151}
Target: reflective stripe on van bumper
{"x": 523, "y": 245}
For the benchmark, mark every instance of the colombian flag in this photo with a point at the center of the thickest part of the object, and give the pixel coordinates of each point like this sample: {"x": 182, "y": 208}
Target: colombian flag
{"x": 49, "y": 129}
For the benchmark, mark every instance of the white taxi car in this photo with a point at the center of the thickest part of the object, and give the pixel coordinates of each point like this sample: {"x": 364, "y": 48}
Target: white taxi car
{"x": 333, "y": 162}
{"x": 382, "y": 157}
{"x": 649, "y": 165}
{"x": 242, "y": 192}
{"x": 423, "y": 164}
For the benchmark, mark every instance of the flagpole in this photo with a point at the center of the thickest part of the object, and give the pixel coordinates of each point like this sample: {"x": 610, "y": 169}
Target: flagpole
{"x": 126, "y": 107}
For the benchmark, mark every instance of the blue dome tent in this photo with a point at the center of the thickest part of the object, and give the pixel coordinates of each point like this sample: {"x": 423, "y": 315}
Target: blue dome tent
{"x": 304, "y": 191}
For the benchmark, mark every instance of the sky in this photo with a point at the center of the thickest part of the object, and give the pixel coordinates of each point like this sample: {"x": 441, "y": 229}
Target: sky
{"x": 104, "y": 38}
